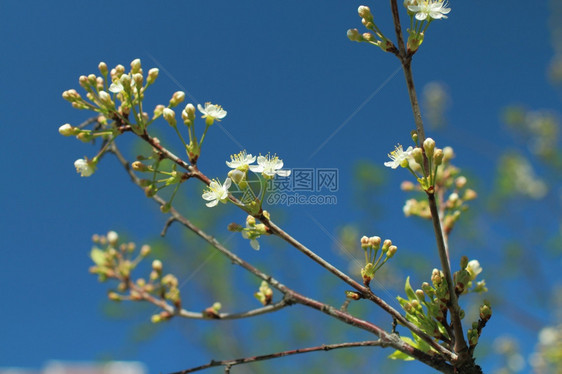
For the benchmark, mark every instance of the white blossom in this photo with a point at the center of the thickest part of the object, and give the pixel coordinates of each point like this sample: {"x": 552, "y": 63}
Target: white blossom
{"x": 397, "y": 156}
{"x": 84, "y": 167}
{"x": 270, "y": 166}
{"x": 241, "y": 161}
{"x": 473, "y": 269}
{"x": 434, "y": 9}
{"x": 216, "y": 192}
{"x": 212, "y": 111}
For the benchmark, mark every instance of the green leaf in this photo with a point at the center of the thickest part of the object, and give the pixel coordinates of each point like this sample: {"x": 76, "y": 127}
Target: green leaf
{"x": 98, "y": 256}
{"x": 397, "y": 355}
{"x": 409, "y": 290}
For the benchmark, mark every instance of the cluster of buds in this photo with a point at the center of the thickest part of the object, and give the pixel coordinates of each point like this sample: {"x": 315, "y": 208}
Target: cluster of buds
{"x": 253, "y": 230}
{"x": 441, "y": 177}
{"x": 464, "y": 278}
{"x": 374, "y": 36}
{"x": 473, "y": 334}
{"x": 265, "y": 293}
{"x": 114, "y": 260}
{"x": 160, "y": 178}
{"x": 427, "y": 307}
{"x": 373, "y": 259}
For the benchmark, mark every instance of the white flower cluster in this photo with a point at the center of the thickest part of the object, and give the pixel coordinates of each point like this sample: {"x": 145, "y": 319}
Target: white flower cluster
{"x": 269, "y": 166}
{"x": 424, "y": 9}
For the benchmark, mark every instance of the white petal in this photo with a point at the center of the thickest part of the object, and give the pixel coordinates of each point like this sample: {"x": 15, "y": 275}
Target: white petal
{"x": 227, "y": 184}
{"x": 283, "y": 173}
{"x": 209, "y": 196}
{"x": 255, "y": 244}
{"x": 212, "y": 203}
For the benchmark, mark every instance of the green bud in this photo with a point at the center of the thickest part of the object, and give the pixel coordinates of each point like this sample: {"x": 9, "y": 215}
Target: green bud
{"x": 365, "y": 13}
{"x": 152, "y": 75}
{"x": 102, "y": 67}
{"x": 438, "y": 157}
{"x": 414, "y": 135}
{"x": 352, "y": 295}
{"x": 429, "y": 147}
{"x": 114, "y": 296}
{"x": 417, "y": 154}
{"x": 157, "y": 265}
{"x": 365, "y": 242}
{"x": 135, "y": 66}
{"x": 177, "y": 98}
{"x": 145, "y": 250}
{"x": 165, "y": 208}
{"x": 354, "y": 35}
{"x": 170, "y": 116}
{"x": 68, "y": 130}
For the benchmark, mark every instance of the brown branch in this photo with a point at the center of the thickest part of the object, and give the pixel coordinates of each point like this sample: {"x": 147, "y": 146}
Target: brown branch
{"x": 365, "y": 291}
{"x": 406, "y": 60}
{"x": 246, "y": 360}
{"x": 390, "y": 339}
{"x": 144, "y": 295}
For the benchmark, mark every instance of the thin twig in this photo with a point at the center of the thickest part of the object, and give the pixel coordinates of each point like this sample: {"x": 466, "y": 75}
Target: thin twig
{"x": 293, "y": 296}
{"x": 460, "y": 342}
{"x": 246, "y": 360}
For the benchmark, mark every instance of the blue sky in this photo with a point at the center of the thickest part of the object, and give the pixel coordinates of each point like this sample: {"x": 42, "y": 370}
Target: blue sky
{"x": 288, "y": 77}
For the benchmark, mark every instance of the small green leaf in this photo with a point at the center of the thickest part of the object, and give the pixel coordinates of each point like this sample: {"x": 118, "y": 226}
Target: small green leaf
{"x": 409, "y": 290}
{"x": 98, "y": 256}
{"x": 397, "y": 355}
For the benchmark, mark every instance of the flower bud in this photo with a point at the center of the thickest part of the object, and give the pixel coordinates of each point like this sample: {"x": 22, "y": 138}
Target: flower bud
{"x": 152, "y": 75}
{"x": 170, "y": 116}
{"x": 470, "y": 194}
{"x": 375, "y": 242}
{"x": 386, "y": 245}
{"x": 250, "y": 221}
{"x": 145, "y": 250}
{"x": 391, "y": 251}
{"x": 112, "y": 238}
{"x": 365, "y": 242}
{"x": 365, "y": 13}
{"x": 429, "y": 147}
{"x": 417, "y": 155}
{"x": 105, "y": 99}
{"x": 68, "y": 130}
{"x": 460, "y": 182}
{"x": 367, "y": 36}
{"x": 165, "y": 208}
{"x": 138, "y": 79}
{"x": 114, "y": 296}
{"x": 354, "y": 35}
{"x": 438, "y": 157}
{"x": 135, "y": 65}
{"x": 448, "y": 154}
{"x": 177, "y": 98}
{"x": 102, "y": 67}
{"x": 139, "y": 166}
{"x": 157, "y": 265}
